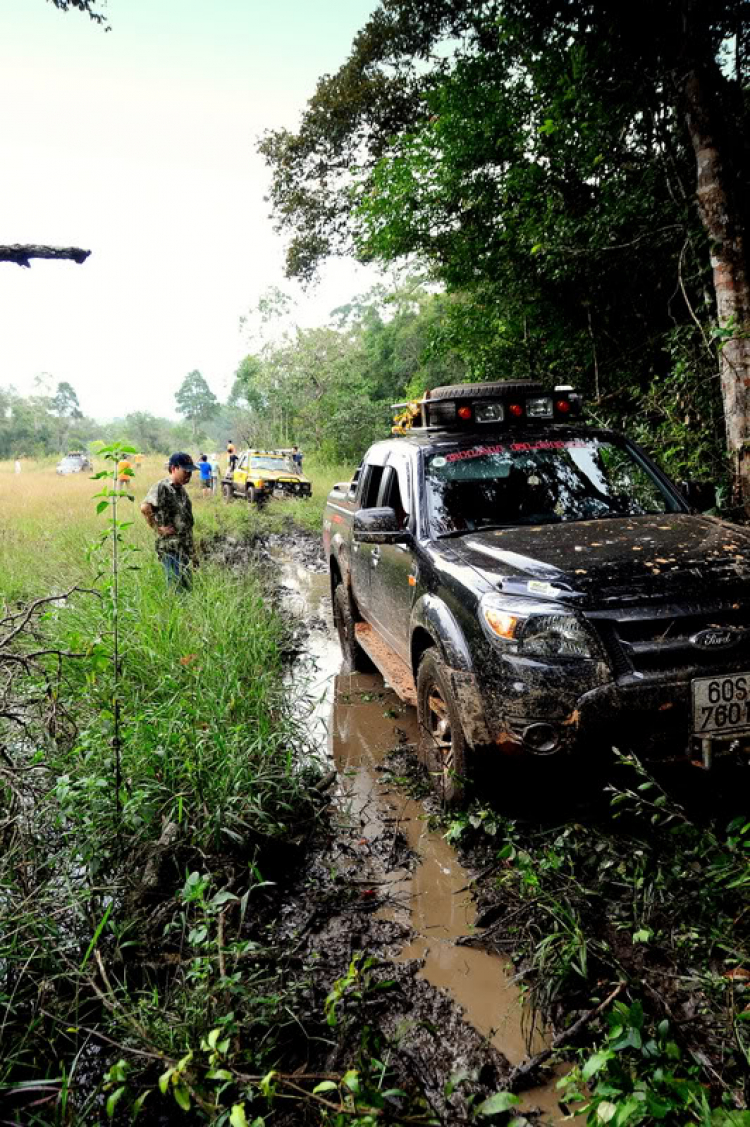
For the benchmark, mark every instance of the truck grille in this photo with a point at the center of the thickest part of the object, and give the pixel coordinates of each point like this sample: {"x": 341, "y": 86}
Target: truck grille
{"x": 637, "y": 641}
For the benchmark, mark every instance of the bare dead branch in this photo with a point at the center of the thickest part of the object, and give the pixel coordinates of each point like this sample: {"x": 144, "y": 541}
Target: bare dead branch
{"x": 521, "y": 1073}
{"x": 21, "y": 253}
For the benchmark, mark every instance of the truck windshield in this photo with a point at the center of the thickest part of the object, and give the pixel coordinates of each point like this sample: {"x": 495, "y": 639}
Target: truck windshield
{"x": 541, "y": 481}
{"x": 269, "y": 464}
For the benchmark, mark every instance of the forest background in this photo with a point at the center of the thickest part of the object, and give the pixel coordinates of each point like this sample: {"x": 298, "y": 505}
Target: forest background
{"x": 564, "y": 198}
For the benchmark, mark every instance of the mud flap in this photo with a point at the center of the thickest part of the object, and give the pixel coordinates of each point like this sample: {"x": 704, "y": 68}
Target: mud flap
{"x": 470, "y": 706}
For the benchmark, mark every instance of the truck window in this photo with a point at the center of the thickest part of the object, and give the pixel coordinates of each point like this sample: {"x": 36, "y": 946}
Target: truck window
{"x": 390, "y": 495}
{"x": 354, "y": 483}
{"x": 373, "y": 476}
{"x": 539, "y": 482}
{"x": 401, "y": 465}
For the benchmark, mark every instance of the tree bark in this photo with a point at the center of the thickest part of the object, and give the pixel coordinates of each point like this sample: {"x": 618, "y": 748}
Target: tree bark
{"x": 20, "y": 254}
{"x": 723, "y": 224}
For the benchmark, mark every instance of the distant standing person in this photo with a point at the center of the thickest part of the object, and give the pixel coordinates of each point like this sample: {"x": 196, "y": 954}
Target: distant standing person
{"x": 232, "y": 454}
{"x": 205, "y": 469}
{"x": 215, "y": 472}
{"x": 124, "y": 473}
{"x": 18, "y": 465}
{"x": 297, "y": 458}
{"x": 168, "y": 510}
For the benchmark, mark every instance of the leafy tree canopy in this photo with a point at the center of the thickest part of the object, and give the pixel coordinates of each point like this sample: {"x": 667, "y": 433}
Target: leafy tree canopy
{"x": 65, "y": 402}
{"x": 195, "y": 401}
{"x": 536, "y": 156}
{"x": 92, "y": 8}
{"x": 561, "y": 84}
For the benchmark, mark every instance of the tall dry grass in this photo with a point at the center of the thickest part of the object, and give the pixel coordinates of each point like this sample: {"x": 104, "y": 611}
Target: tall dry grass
{"x": 47, "y": 522}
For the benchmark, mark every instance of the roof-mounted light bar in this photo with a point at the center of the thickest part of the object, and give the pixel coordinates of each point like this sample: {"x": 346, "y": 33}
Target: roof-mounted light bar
{"x": 461, "y": 413}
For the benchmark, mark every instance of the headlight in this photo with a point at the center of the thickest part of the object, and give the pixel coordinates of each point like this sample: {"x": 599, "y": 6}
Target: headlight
{"x": 534, "y": 628}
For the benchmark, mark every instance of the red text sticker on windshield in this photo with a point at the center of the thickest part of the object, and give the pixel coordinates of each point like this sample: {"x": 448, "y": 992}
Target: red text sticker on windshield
{"x": 548, "y": 444}
{"x": 476, "y": 452}
{"x": 541, "y": 444}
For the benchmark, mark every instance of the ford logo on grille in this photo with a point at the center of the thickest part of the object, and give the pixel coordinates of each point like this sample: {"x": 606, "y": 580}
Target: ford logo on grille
{"x": 717, "y": 638}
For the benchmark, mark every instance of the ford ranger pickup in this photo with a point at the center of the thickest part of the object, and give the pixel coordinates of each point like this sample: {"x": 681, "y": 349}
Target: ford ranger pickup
{"x": 538, "y": 588}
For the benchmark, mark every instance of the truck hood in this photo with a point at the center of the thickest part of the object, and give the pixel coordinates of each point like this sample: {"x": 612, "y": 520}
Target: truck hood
{"x": 615, "y": 560}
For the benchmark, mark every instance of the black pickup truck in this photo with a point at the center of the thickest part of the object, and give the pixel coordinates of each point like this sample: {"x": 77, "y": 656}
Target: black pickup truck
{"x": 539, "y": 588}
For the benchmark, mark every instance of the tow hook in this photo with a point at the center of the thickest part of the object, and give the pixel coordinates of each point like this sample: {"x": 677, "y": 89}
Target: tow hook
{"x": 707, "y": 754}
{"x": 706, "y": 761}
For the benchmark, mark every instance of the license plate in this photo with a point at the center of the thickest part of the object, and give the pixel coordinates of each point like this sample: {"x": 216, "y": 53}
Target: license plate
{"x": 721, "y": 704}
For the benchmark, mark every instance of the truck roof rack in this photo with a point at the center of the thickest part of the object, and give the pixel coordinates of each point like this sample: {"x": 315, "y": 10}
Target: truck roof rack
{"x": 463, "y": 407}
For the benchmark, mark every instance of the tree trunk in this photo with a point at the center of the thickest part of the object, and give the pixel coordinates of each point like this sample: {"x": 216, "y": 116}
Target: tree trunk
{"x": 723, "y": 224}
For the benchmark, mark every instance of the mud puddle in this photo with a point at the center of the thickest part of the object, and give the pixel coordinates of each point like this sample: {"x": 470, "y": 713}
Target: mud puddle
{"x": 418, "y": 881}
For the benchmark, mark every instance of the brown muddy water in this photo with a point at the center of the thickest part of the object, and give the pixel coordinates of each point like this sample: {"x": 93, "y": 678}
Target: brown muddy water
{"x": 360, "y": 720}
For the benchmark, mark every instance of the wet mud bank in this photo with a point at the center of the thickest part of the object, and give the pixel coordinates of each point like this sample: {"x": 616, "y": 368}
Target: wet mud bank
{"x": 620, "y": 913}
{"x": 387, "y": 887}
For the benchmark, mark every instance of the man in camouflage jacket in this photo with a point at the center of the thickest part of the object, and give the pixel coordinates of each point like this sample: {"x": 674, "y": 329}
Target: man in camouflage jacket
{"x": 169, "y": 511}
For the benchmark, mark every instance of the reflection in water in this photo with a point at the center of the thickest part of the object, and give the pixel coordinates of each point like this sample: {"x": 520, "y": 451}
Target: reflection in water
{"x": 433, "y": 897}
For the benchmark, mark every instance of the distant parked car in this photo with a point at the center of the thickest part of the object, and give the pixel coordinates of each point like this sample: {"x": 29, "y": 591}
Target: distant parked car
{"x": 74, "y": 462}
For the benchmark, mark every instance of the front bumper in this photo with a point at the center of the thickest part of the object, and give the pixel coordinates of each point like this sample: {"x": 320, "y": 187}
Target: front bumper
{"x": 293, "y": 488}
{"x": 651, "y": 717}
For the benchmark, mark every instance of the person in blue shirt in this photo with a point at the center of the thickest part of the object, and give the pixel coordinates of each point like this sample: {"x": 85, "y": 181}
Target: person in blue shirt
{"x": 205, "y": 471}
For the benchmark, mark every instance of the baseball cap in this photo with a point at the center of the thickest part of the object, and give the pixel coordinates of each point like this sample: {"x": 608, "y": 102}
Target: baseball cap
{"x": 184, "y": 461}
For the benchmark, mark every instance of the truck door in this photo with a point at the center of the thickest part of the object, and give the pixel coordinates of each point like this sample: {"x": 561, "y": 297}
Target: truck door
{"x": 240, "y": 473}
{"x": 368, "y": 491}
{"x": 393, "y": 566}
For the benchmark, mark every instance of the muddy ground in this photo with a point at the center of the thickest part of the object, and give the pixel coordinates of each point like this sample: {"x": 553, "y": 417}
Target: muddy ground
{"x": 439, "y": 927}
{"x": 407, "y": 942}
{"x": 383, "y": 885}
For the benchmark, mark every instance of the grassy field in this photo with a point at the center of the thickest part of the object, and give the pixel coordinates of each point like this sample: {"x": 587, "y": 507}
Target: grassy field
{"x": 193, "y": 736}
{"x": 49, "y": 520}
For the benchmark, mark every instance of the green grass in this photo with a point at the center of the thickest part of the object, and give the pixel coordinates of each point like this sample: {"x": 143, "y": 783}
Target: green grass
{"x": 208, "y": 747}
{"x": 649, "y": 894}
{"x": 49, "y": 521}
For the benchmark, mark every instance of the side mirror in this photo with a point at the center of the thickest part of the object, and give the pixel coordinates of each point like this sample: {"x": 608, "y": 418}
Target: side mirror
{"x": 700, "y": 495}
{"x": 378, "y": 526}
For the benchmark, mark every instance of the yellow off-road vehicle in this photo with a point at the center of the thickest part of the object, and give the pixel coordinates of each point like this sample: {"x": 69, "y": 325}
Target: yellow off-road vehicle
{"x": 260, "y": 474}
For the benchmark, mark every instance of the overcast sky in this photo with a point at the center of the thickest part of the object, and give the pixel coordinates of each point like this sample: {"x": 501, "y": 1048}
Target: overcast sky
{"x": 139, "y": 144}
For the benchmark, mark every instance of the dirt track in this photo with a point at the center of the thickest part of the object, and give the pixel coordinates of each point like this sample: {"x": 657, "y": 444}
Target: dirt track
{"x": 400, "y": 894}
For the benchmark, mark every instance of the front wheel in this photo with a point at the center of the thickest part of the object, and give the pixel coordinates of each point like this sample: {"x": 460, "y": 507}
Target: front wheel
{"x": 250, "y": 494}
{"x": 355, "y": 658}
{"x": 442, "y": 744}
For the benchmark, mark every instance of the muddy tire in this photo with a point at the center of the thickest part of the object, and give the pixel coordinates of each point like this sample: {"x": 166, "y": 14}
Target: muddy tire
{"x": 250, "y": 494}
{"x": 478, "y": 390}
{"x": 227, "y": 493}
{"x": 442, "y": 745}
{"x": 355, "y": 658}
